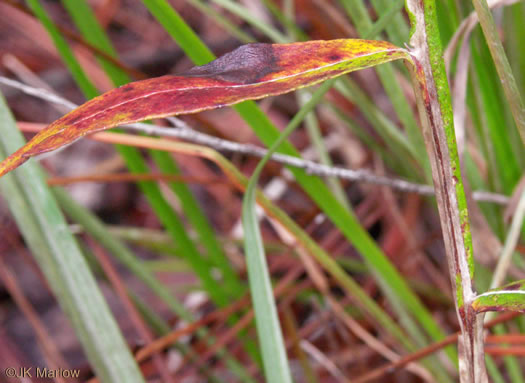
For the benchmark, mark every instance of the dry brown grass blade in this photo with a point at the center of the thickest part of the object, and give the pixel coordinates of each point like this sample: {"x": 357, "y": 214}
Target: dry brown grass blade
{"x": 514, "y": 199}
{"x": 230, "y": 335}
{"x": 54, "y": 359}
{"x": 451, "y": 339}
{"x": 290, "y": 327}
{"x": 167, "y": 340}
{"x": 328, "y": 364}
{"x": 506, "y": 338}
{"x": 134, "y": 316}
{"x": 360, "y": 332}
{"x": 79, "y": 39}
{"x": 310, "y": 166}
{"x": 134, "y": 177}
{"x": 506, "y": 351}
{"x": 321, "y": 283}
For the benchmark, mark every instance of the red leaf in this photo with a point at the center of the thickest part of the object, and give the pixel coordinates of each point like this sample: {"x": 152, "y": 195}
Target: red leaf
{"x": 250, "y": 72}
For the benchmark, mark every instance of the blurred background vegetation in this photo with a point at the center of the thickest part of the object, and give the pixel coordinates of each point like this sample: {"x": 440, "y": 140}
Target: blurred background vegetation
{"x": 161, "y": 231}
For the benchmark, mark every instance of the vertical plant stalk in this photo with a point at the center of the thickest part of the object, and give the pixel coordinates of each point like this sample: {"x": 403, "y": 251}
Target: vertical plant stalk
{"x": 434, "y": 104}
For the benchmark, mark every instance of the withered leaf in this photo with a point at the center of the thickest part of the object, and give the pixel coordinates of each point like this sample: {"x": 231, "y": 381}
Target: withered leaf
{"x": 250, "y": 72}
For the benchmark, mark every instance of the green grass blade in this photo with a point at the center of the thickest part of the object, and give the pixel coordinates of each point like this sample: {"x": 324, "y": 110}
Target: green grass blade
{"x": 397, "y": 29}
{"x": 448, "y": 19}
{"x": 508, "y": 171}
{"x": 359, "y": 15}
{"x": 207, "y": 236}
{"x": 246, "y": 15}
{"x": 390, "y": 19}
{"x": 499, "y": 57}
{"x": 189, "y": 42}
{"x": 99, "y": 231}
{"x": 392, "y": 284}
{"x": 514, "y": 43}
{"x": 88, "y": 25}
{"x": 275, "y": 361}
{"x": 316, "y": 138}
{"x": 324, "y": 259}
{"x": 222, "y": 21}
{"x": 230, "y": 286}
{"x": 254, "y": 247}
{"x": 93, "y": 32}
{"x": 286, "y": 20}
{"x": 390, "y": 280}
{"x": 58, "y": 255}
{"x": 397, "y": 142}
{"x": 493, "y": 370}
{"x": 65, "y": 52}
{"x": 270, "y": 337}
{"x": 514, "y": 29}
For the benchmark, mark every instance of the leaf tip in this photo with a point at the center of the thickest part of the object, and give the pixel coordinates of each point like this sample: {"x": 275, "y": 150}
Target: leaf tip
{"x": 12, "y": 162}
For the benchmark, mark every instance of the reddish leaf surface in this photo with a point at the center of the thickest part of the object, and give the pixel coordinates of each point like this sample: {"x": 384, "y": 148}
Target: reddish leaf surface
{"x": 250, "y": 72}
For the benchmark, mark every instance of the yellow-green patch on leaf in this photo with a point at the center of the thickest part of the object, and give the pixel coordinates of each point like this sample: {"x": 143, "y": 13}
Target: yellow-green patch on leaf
{"x": 510, "y": 297}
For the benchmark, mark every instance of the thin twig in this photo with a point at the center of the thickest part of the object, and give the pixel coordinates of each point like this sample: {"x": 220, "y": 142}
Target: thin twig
{"x": 323, "y": 360}
{"x": 183, "y": 131}
{"x": 41, "y": 93}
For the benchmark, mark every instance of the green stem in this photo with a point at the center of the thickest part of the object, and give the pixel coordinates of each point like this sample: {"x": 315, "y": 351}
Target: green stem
{"x": 434, "y": 104}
